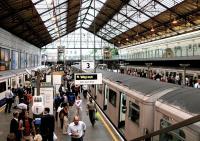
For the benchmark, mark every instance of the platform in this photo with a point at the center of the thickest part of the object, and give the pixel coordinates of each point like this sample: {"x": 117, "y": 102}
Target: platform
{"x": 96, "y": 133}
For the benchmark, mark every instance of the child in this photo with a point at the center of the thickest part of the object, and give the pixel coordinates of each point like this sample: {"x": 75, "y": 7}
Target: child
{"x": 38, "y": 137}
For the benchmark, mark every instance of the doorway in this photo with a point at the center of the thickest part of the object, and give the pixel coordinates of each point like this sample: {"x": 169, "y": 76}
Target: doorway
{"x": 122, "y": 112}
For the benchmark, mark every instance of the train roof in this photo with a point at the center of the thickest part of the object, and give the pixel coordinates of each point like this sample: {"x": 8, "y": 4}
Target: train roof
{"x": 186, "y": 99}
{"x": 143, "y": 85}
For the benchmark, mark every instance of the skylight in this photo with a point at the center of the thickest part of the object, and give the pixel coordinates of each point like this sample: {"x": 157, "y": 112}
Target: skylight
{"x": 134, "y": 13}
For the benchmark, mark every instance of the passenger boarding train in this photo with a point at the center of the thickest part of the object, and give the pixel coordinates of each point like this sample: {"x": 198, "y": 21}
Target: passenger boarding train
{"x": 136, "y": 106}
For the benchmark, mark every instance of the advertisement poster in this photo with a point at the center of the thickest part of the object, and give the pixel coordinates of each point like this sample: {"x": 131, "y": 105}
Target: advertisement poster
{"x": 2, "y": 61}
{"x": 15, "y": 60}
{"x": 32, "y": 60}
{"x": 7, "y": 58}
{"x": 35, "y": 60}
{"x": 22, "y": 60}
{"x": 47, "y": 93}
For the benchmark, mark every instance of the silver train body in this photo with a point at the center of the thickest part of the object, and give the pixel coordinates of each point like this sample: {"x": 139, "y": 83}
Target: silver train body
{"x": 136, "y": 106}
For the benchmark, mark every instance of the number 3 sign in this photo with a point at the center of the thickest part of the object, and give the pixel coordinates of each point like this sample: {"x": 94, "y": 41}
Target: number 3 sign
{"x": 87, "y": 65}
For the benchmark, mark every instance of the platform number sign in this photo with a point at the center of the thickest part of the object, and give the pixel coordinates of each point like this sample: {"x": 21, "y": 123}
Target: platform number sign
{"x": 87, "y": 65}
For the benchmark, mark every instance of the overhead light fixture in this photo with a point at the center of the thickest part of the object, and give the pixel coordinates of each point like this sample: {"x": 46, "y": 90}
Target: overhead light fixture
{"x": 152, "y": 29}
{"x": 119, "y": 42}
{"x": 53, "y": 18}
{"x": 174, "y": 21}
{"x": 127, "y": 39}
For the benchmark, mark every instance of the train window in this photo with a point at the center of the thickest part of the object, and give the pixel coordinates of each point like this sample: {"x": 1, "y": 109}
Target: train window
{"x": 134, "y": 112}
{"x": 92, "y": 86}
{"x": 2, "y": 87}
{"x": 175, "y": 135}
{"x": 20, "y": 80}
{"x": 99, "y": 88}
{"x": 112, "y": 97}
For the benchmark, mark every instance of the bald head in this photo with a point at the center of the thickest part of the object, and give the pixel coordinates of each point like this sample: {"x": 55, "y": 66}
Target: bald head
{"x": 76, "y": 120}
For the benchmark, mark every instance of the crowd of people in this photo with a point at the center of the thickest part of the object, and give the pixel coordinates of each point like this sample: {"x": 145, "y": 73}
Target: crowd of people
{"x": 25, "y": 128}
{"x": 175, "y": 78}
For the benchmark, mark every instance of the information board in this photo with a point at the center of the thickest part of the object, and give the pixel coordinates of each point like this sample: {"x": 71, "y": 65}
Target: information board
{"x": 88, "y": 78}
{"x": 38, "y": 105}
{"x": 47, "y": 93}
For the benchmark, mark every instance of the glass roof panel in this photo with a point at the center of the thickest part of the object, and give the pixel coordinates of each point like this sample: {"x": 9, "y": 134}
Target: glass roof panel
{"x": 136, "y": 12}
{"x": 51, "y": 17}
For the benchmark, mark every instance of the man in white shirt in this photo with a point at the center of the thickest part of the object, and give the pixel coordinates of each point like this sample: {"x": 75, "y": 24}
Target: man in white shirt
{"x": 76, "y": 129}
{"x": 197, "y": 85}
{"x": 9, "y": 100}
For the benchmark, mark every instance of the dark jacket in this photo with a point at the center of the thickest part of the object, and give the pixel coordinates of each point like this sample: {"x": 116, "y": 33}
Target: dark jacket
{"x": 14, "y": 125}
{"x": 47, "y": 125}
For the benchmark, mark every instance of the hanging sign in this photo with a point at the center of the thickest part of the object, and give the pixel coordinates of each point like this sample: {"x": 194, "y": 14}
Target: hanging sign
{"x": 88, "y": 78}
{"x": 87, "y": 65}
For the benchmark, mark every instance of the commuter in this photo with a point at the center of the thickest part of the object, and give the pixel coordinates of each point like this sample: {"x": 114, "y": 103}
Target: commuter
{"x": 9, "y": 100}
{"x": 91, "y": 108}
{"x": 28, "y": 127}
{"x": 63, "y": 112}
{"x": 85, "y": 91}
{"x": 197, "y": 84}
{"x": 14, "y": 125}
{"x": 62, "y": 90}
{"x": 65, "y": 124}
{"x": 57, "y": 102}
{"x": 47, "y": 125}
{"x": 78, "y": 104}
{"x": 77, "y": 129}
{"x": 20, "y": 92}
{"x": 77, "y": 90}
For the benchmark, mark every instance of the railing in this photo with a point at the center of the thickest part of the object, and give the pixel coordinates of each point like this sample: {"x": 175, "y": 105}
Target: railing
{"x": 154, "y": 136}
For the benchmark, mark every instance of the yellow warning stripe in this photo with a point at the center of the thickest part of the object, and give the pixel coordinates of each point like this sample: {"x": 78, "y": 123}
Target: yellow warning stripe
{"x": 108, "y": 128}
{"x": 2, "y": 108}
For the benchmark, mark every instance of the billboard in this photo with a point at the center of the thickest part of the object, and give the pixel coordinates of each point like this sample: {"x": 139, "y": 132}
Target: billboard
{"x": 15, "y": 60}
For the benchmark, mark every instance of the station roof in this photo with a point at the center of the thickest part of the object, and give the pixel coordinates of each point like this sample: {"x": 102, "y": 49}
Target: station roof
{"x": 120, "y": 22}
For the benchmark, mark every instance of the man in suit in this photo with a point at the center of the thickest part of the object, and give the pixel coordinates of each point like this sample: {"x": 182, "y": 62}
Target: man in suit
{"x": 14, "y": 125}
{"x": 47, "y": 125}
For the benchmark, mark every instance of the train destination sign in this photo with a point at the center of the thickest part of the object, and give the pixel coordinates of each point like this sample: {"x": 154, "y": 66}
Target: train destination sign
{"x": 88, "y": 78}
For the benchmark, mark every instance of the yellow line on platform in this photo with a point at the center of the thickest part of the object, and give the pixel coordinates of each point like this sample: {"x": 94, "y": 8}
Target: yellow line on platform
{"x": 108, "y": 128}
{"x": 2, "y": 108}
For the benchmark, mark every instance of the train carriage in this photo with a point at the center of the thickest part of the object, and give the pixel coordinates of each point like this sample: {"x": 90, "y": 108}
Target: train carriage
{"x": 129, "y": 102}
{"x": 137, "y": 106}
{"x": 175, "y": 107}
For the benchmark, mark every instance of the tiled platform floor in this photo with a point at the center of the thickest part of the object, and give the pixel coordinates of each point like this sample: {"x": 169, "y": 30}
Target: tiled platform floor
{"x": 96, "y": 133}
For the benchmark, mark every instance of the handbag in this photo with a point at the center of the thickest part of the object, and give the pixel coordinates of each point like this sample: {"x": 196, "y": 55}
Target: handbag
{"x": 54, "y": 137}
{"x": 59, "y": 109}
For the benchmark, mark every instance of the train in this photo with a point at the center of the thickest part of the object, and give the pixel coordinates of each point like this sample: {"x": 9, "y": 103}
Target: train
{"x": 166, "y": 71}
{"x": 137, "y": 106}
{"x": 13, "y": 79}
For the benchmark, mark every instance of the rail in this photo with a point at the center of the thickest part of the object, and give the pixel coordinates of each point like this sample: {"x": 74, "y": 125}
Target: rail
{"x": 170, "y": 128}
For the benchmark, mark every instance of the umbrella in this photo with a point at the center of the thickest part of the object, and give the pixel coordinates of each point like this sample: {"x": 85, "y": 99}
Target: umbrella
{"x": 22, "y": 106}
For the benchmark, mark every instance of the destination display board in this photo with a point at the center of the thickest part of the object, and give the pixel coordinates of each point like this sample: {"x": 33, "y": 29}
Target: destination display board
{"x": 88, "y": 78}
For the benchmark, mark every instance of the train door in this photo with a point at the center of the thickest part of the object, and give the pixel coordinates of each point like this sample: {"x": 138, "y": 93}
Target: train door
{"x": 122, "y": 112}
{"x": 106, "y": 95}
